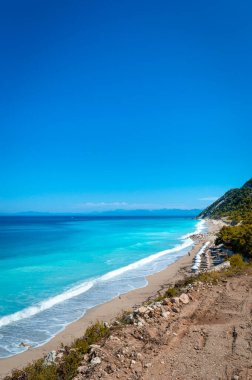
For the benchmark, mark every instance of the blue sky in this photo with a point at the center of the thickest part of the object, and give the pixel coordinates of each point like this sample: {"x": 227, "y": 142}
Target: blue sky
{"x": 123, "y": 104}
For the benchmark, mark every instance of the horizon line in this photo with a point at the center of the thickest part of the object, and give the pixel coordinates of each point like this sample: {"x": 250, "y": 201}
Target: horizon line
{"x": 97, "y": 212}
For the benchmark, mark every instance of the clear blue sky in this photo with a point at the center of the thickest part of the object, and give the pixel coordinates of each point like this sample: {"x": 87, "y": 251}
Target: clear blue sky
{"x": 123, "y": 104}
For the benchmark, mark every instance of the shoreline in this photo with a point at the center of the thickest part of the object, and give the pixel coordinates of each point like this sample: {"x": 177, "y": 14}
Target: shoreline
{"x": 111, "y": 309}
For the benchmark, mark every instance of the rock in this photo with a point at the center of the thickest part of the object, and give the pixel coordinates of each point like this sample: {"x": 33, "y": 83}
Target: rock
{"x": 110, "y": 368}
{"x": 147, "y": 365}
{"x": 167, "y": 307}
{"x": 59, "y": 356}
{"x": 107, "y": 325}
{"x": 50, "y": 358}
{"x": 142, "y": 310}
{"x": 175, "y": 309}
{"x": 184, "y": 298}
{"x": 94, "y": 347}
{"x": 141, "y": 320}
{"x": 235, "y": 377}
{"x": 166, "y": 301}
{"x": 23, "y": 344}
{"x": 112, "y": 337}
{"x": 165, "y": 314}
{"x": 158, "y": 311}
{"x": 61, "y": 350}
{"x": 82, "y": 369}
{"x": 128, "y": 318}
{"x": 175, "y": 300}
{"x": 78, "y": 377}
{"x": 95, "y": 361}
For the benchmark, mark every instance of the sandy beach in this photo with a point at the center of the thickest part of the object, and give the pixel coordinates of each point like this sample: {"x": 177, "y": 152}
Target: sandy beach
{"x": 110, "y": 310}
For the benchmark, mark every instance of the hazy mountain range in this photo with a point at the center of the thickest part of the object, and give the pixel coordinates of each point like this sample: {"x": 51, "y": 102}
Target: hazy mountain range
{"x": 120, "y": 212}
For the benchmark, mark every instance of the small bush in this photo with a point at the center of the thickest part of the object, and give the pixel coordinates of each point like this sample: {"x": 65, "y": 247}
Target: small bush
{"x": 237, "y": 261}
{"x": 171, "y": 292}
{"x": 69, "y": 365}
{"x": 81, "y": 346}
{"x": 211, "y": 277}
{"x": 35, "y": 371}
{"x": 159, "y": 297}
{"x": 96, "y": 332}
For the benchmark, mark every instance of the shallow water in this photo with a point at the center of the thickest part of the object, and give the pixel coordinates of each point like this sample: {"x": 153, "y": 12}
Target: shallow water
{"x": 52, "y": 269}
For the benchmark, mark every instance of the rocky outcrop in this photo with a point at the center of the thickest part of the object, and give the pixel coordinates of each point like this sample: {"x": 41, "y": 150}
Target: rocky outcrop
{"x": 50, "y": 358}
{"x": 143, "y": 327}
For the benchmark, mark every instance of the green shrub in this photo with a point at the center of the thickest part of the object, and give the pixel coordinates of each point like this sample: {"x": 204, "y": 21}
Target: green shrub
{"x": 68, "y": 368}
{"x": 96, "y": 332}
{"x": 35, "y": 371}
{"x": 171, "y": 292}
{"x": 211, "y": 277}
{"x": 237, "y": 238}
{"x": 237, "y": 261}
{"x": 81, "y": 346}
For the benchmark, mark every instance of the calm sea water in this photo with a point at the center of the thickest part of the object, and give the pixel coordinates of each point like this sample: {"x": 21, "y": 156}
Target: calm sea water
{"x": 52, "y": 269}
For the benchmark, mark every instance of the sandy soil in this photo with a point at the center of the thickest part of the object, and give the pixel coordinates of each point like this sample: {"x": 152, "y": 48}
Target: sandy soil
{"x": 110, "y": 310}
{"x": 210, "y": 338}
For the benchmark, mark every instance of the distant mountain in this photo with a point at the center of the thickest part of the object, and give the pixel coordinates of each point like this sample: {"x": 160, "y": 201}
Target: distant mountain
{"x": 234, "y": 204}
{"x": 120, "y": 212}
{"x": 33, "y": 213}
{"x": 161, "y": 212}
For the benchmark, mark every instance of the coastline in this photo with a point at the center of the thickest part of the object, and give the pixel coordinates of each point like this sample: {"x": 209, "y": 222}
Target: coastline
{"x": 110, "y": 310}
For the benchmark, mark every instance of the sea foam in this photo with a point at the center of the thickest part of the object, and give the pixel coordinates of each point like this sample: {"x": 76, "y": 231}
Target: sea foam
{"x": 85, "y": 286}
{"x": 47, "y": 304}
{"x": 200, "y": 228}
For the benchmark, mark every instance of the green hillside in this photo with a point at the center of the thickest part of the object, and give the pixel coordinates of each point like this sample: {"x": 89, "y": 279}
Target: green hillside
{"x": 235, "y": 204}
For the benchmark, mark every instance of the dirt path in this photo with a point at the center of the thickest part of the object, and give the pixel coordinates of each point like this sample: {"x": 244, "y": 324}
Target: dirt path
{"x": 210, "y": 338}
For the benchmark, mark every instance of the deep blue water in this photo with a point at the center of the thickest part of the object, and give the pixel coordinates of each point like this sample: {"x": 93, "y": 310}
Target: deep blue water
{"x": 52, "y": 269}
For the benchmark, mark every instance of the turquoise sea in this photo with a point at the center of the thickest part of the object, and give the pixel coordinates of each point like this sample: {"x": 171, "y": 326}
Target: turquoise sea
{"x": 52, "y": 269}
